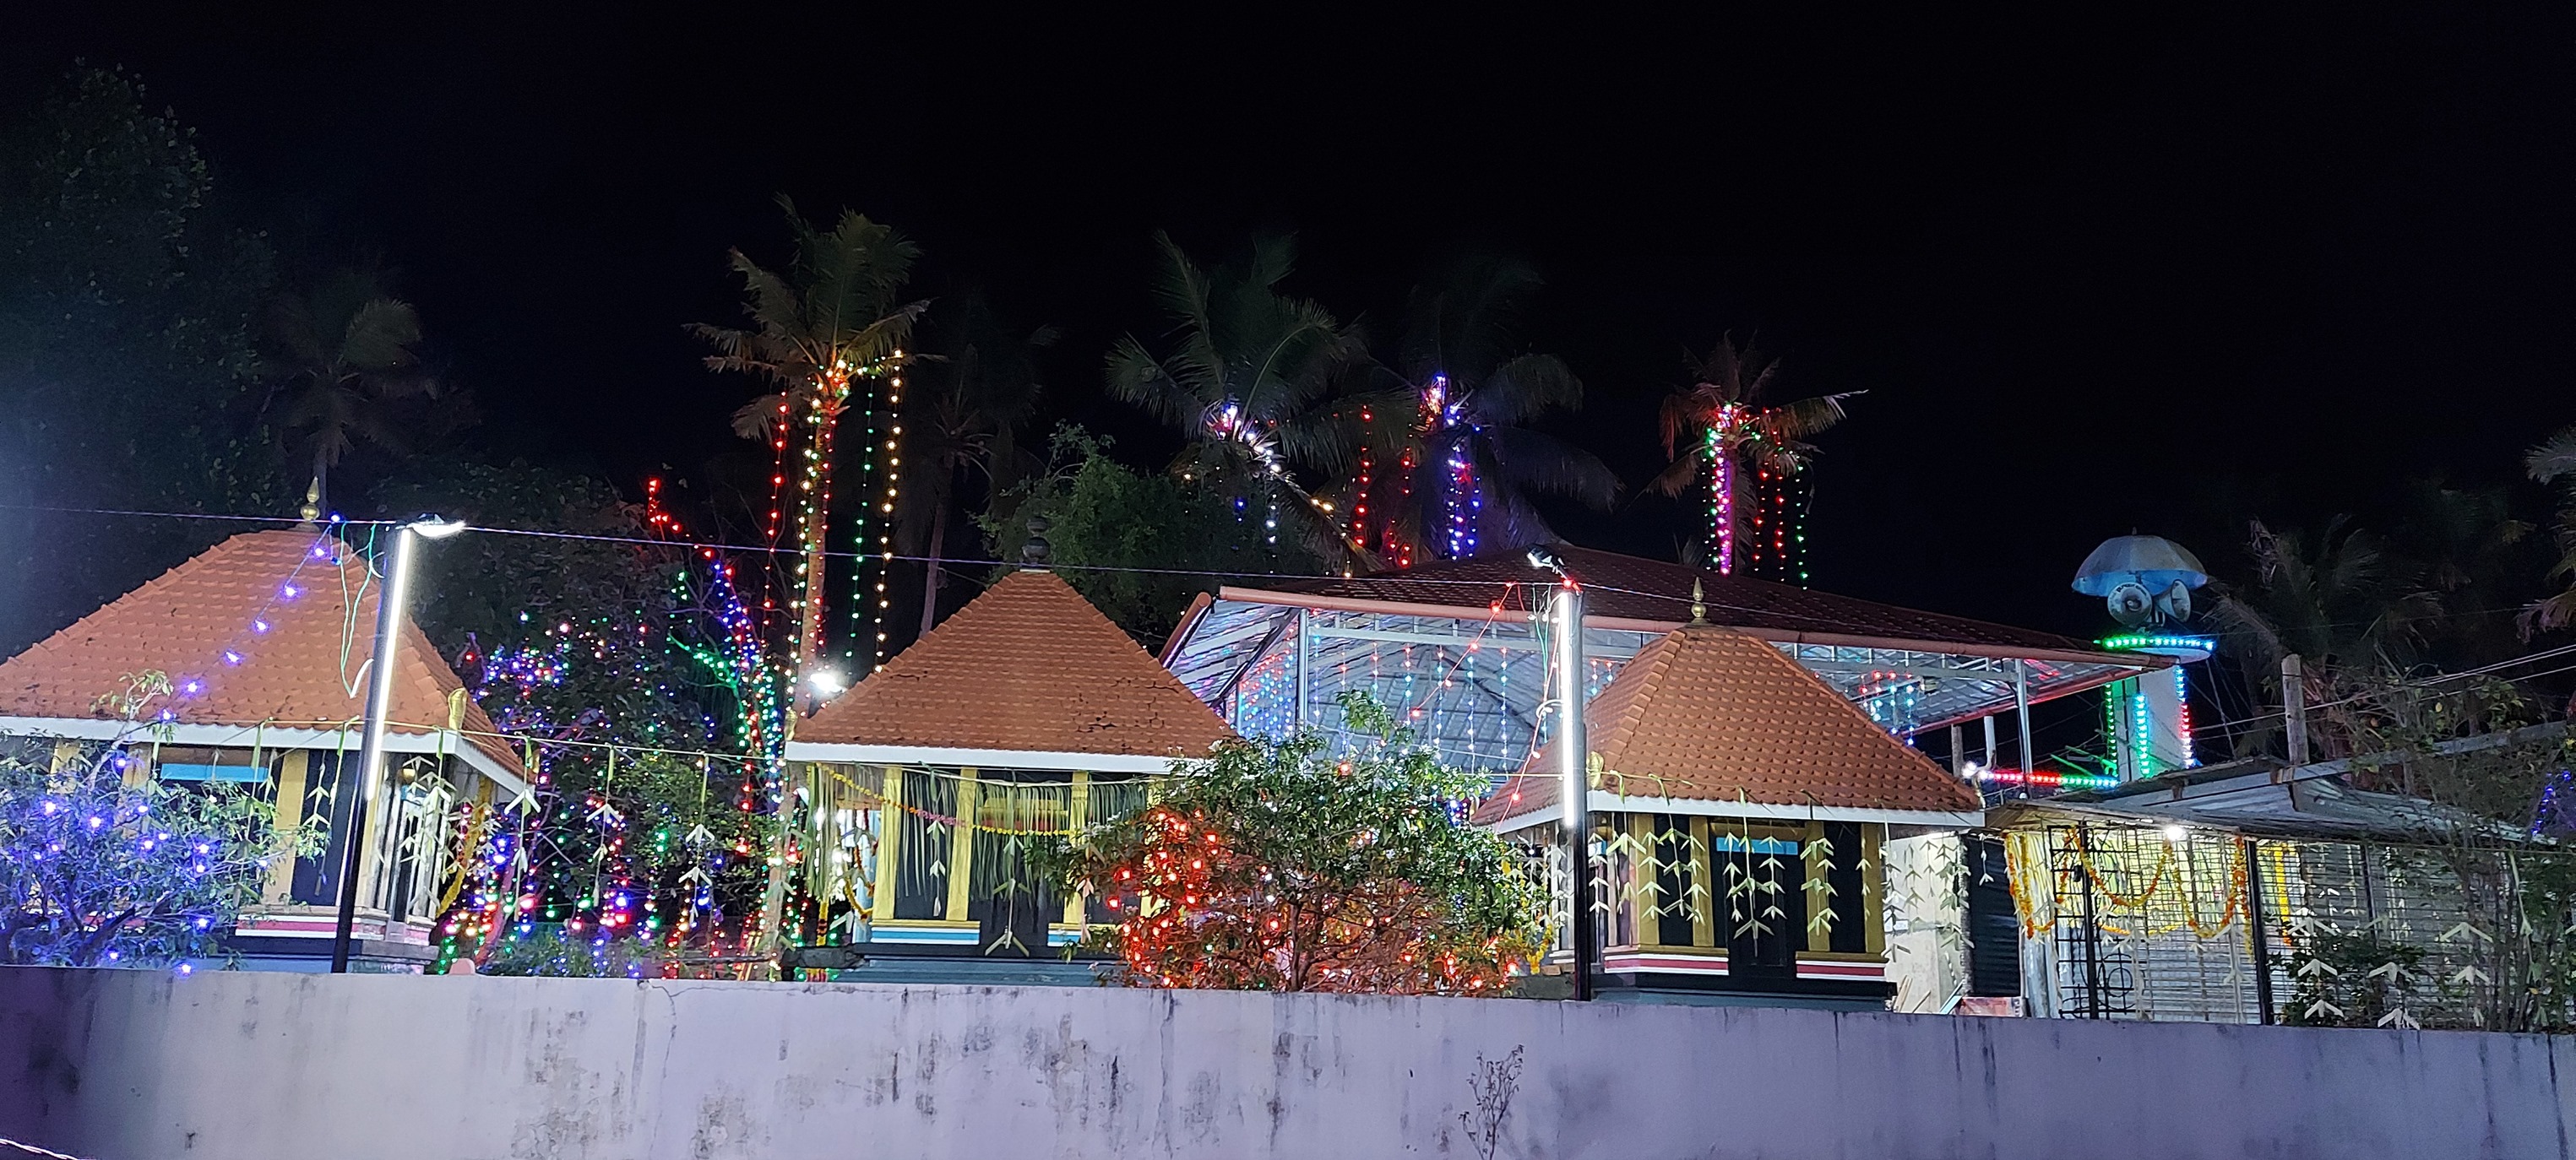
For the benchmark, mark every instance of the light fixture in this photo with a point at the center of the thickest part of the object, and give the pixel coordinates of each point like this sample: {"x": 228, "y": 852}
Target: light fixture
{"x": 2176, "y": 833}
{"x": 827, "y": 682}
{"x": 1544, "y": 557}
{"x": 379, "y": 709}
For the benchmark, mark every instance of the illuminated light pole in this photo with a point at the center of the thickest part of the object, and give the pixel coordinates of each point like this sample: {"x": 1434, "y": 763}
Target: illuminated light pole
{"x": 1573, "y": 750}
{"x": 380, "y": 697}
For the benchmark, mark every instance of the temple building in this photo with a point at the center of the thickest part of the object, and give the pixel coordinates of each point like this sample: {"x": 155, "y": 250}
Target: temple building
{"x": 1455, "y": 645}
{"x": 1742, "y": 808}
{"x": 1025, "y": 714}
{"x": 266, "y": 641}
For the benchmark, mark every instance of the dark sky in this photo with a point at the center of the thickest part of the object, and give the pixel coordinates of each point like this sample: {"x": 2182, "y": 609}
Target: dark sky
{"x": 2098, "y": 266}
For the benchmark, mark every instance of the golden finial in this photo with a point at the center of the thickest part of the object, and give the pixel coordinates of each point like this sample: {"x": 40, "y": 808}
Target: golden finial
{"x": 312, "y": 509}
{"x": 1699, "y": 609}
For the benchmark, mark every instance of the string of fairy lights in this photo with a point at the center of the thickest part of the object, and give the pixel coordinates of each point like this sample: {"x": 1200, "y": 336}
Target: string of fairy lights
{"x": 521, "y": 876}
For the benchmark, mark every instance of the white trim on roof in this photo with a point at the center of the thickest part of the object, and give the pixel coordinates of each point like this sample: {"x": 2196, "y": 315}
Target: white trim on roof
{"x": 1603, "y": 801}
{"x": 2140, "y": 662}
{"x": 263, "y": 736}
{"x": 978, "y": 758}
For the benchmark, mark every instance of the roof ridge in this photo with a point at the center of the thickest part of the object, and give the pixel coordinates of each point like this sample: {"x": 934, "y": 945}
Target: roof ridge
{"x": 1028, "y": 665}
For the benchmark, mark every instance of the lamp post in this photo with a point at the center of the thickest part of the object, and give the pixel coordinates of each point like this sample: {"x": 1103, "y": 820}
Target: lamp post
{"x": 1573, "y": 753}
{"x": 380, "y": 697}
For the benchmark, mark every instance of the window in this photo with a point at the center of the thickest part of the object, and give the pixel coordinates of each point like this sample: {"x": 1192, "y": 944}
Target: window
{"x": 174, "y": 763}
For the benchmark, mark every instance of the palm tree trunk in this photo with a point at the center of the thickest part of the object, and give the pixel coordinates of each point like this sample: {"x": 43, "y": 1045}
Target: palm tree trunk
{"x": 930, "y": 573}
{"x": 321, "y": 479}
{"x": 816, "y": 518}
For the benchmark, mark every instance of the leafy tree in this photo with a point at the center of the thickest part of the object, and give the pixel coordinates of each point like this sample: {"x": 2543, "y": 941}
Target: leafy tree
{"x": 127, "y": 310}
{"x": 344, "y": 364}
{"x": 2554, "y": 461}
{"x": 1249, "y": 382}
{"x": 2352, "y": 611}
{"x": 967, "y": 400}
{"x": 2476, "y": 562}
{"x": 829, "y": 321}
{"x": 600, "y": 656}
{"x": 1273, "y": 866}
{"x": 1139, "y": 546}
{"x": 2495, "y": 776}
{"x": 1467, "y": 466}
{"x": 96, "y": 870}
{"x": 1723, "y": 426}
{"x": 551, "y": 951}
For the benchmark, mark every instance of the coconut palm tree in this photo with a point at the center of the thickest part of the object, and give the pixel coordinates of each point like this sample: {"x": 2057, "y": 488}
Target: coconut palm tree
{"x": 1722, "y": 426}
{"x": 2353, "y": 612}
{"x": 2551, "y": 462}
{"x": 967, "y": 401}
{"x": 343, "y": 355}
{"x": 828, "y": 329}
{"x": 1251, "y": 380}
{"x": 1458, "y": 473}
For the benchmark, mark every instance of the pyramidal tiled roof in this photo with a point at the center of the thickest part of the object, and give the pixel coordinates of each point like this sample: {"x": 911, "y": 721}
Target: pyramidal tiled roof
{"x": 298, "y": 610}
{"x": 1030, "y": 666}
{"x": 1717, "y": 715}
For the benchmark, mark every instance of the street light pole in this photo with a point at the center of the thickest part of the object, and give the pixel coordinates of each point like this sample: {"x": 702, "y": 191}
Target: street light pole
{"x": 1573, "y": 750}
{"x": 380, "y": 697}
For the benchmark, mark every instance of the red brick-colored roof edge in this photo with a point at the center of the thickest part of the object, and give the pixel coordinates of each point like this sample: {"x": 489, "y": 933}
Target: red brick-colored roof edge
{"x": 1031, "y": 666}
{"x": 1711, "y": 714}
{"x": 307, "y": 669}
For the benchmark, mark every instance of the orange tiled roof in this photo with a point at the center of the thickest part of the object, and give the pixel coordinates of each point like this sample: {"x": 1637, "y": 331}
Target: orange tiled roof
{"x": 1029, "y": 665}
{"x": 307, "y": 670}
{"x": 1717, "y": 715}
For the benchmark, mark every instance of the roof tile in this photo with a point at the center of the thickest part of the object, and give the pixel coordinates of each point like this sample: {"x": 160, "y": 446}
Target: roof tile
{"x": 308, "y": 670}
{"x": 1029, "y": 665}
{"x": 1712, "y": 714}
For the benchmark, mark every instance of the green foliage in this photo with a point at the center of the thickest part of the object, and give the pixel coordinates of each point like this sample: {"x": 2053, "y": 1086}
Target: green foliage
{"x": 99, "y": 868}
{"x": 126, "y": 357}
{"x": 1256, "y": 383}
{"x": 344, "y": 371}
{"x": 1281, "y": 866}
{"x": 551, "y": 952}
{"x": 1102, "y": 515}
{"x": 2354, "y": 979}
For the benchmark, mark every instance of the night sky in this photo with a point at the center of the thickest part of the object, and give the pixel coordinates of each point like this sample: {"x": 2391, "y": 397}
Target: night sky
{"x": 2129, "y": 266}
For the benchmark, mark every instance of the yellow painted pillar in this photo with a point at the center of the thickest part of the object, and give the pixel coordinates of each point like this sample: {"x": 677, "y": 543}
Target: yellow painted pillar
{"x": 279, "y": 889}
{"x": 961, "y": 847}
{"x": 1873, "y": 880}
{"x": 1813, "y": 869}
{"x": 1643, "y": 893}
{"x": 889, "y": 843}
{"x": 1704, "y": 872}
{"x": 1077, "y": 815}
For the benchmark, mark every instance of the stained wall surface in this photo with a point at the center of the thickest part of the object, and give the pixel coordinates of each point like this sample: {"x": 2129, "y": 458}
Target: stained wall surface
{"x": 133, "y": 1065}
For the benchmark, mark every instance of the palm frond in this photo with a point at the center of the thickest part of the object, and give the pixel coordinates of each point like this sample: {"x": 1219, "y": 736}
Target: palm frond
{"x": 1530, "y": 461}
{"x": 2554, "y": 459}
{"x": 1683, "y": 412}
{"x": 1524, "y": 387}
{"x": 1794, "y": 422}
{"x": 1135, "y": 378}
{"x": 380, "y": 335}
{"x": 1678, "y": 476}
{"x": 761, "y": 418}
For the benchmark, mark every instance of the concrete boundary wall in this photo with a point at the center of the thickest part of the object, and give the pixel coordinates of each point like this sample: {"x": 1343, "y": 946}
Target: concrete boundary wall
{"x": 134, "y": 1065}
